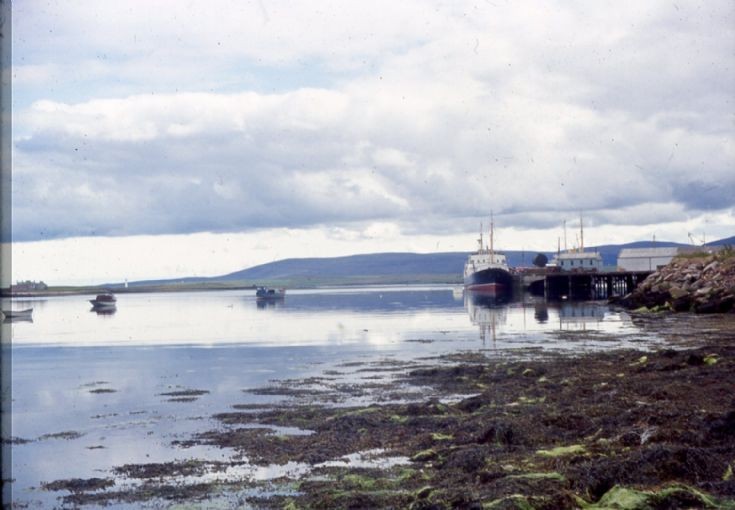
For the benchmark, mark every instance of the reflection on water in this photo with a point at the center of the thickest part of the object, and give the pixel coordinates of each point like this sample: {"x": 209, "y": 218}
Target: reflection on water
{"x": 368, "y": 316}
{"x": 487, "y": 311}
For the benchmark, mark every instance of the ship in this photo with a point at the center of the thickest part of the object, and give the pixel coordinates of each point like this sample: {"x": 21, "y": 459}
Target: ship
{"x": 487, "y": 270}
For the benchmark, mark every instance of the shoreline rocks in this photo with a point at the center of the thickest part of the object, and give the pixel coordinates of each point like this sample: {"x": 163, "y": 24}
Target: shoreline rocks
{"x": 700, "y": 283}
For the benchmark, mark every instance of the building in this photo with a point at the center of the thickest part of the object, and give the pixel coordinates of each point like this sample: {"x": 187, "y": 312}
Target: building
{"x": 578, "y": 261}
{"x": 645, "y": 259}
{"x": 28, "y": 286}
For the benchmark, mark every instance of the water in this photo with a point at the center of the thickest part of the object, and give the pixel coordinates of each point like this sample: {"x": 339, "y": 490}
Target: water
{"x": 88, "y": 388}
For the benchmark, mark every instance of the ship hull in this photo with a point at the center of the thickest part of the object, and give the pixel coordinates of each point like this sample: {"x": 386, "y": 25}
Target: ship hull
{"x": 489, "y": 280}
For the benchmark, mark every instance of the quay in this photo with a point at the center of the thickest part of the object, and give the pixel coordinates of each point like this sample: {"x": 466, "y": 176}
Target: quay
{"x": 581, "y": 285}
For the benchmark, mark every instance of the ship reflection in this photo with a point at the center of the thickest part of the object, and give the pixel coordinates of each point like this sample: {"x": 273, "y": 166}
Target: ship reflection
{"x": 487, "y": 310}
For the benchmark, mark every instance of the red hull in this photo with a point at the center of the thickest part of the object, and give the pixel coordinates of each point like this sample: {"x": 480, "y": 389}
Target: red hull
{"x": 487, "y": 287}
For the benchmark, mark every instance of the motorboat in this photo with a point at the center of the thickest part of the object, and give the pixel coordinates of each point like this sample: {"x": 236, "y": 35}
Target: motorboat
{"x": 103, "y": 302}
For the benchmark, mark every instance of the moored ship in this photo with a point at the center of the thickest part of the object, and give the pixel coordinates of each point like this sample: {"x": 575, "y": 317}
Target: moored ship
{"x": 487, "y": 270}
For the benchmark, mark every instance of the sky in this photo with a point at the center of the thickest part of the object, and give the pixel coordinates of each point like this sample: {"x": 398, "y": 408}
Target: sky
{"x": 165, "y": 139}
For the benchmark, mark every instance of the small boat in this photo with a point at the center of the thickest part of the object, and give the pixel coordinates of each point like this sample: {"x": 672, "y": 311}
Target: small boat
{"x": 103, "y": 301}
{"x": 268, "y": 293}
{"x": 18, "y": 314}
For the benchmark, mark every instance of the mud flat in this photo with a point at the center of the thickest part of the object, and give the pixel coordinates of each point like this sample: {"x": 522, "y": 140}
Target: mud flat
{"x": 616, "y": 429}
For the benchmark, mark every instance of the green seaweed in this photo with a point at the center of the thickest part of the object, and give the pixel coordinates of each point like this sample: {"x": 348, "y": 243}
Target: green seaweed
{"x": 552, "y": 475}
{"x": 398, "y": 419}
{"x": 425, "y": 455}
{"x": 559, "y": 451}
{"x": 710, "y": 359}
{"x": 517, "y": 501}
{"x": 625, "y": 498}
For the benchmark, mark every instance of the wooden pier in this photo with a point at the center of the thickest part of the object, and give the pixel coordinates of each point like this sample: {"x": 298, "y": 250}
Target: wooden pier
{"x": 582, "y": 285}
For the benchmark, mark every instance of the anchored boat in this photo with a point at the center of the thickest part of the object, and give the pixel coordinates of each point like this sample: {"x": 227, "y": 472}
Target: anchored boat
{"x": 18, "y": 314}
{"x": 104, "y": 302}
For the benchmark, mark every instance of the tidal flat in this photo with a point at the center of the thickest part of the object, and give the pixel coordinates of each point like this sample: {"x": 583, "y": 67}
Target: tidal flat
{"x": 628, "y": 408}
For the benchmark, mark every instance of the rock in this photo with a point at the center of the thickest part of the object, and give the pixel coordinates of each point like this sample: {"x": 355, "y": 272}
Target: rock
{"x": 703, "y": 285}
{"x": 677, "y": 292}
{"x": 711, "y": 266}
{"x": 681, "y": 304}
{"x": 703, "y": 291}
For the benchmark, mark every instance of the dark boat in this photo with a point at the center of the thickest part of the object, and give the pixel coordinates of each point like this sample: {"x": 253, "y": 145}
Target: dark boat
{"x": 487, "y": 270}
{"x": 268, "y": 293}
{"x": 103, "y": 301}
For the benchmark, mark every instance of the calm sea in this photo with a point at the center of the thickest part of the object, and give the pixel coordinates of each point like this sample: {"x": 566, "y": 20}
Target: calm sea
{"x": 88, "y": 388}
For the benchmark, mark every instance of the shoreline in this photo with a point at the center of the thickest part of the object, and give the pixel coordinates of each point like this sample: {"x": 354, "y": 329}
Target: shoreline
{"x": 468, "y": 430}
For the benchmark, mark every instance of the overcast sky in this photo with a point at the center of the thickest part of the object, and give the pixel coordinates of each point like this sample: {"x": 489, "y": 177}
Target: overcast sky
{"x": 163, "y": 139}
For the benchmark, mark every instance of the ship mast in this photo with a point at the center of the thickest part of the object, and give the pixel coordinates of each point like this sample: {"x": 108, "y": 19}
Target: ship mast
{"x": 491, "y": 237}
{"x": 479, "y": 241}
{"x": 581, "y": 234}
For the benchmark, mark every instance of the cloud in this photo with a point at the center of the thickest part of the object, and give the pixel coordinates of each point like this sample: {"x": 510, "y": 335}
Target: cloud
{"x": 189, "y": 120}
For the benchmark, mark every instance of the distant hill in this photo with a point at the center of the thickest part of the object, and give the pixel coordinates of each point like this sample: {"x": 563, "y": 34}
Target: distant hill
{"x": 354, "y": 265}
{"x": 728, "y": 241}
{"x": 385, "y": 267}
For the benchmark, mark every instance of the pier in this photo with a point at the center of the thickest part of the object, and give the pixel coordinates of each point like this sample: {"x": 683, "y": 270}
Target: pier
{"x": 582, "y": 285}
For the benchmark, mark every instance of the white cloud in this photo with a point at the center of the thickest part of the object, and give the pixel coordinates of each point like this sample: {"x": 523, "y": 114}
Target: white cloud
{"x": 233, "y": 117}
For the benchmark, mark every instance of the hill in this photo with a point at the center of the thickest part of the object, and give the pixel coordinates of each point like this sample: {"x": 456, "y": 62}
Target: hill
{"x": 379, "y": 268}
{"x": 728, "y": 241}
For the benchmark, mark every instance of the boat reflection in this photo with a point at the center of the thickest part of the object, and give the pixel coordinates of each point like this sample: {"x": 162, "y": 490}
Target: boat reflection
{"x": 106, "y": 311}
{"x": 487, "y": 310}
{"x": 17, "y": 318}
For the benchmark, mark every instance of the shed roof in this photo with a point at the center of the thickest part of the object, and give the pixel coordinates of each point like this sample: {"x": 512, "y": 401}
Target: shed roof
{"x": 579, "y": 255}
{"x": 636, "y": 253}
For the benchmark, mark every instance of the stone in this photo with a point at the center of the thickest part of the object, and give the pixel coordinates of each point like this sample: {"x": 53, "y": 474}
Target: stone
{"x": 704, "y": 291}
{"x": 677, "y": 292}
{"x": 711, "y": 266}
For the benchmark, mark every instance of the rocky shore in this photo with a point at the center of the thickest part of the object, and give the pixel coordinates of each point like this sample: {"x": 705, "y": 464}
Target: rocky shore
{"x": 698, "y": 283}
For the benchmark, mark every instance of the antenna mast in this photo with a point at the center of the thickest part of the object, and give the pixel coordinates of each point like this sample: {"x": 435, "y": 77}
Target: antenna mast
{"x": 565, "y": 235}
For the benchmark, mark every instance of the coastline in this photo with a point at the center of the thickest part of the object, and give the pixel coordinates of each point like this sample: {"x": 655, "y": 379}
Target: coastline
{"x": 475, "y": 429}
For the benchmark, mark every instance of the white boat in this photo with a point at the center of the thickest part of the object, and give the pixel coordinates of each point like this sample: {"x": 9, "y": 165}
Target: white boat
{"x": 18, "y": 314}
